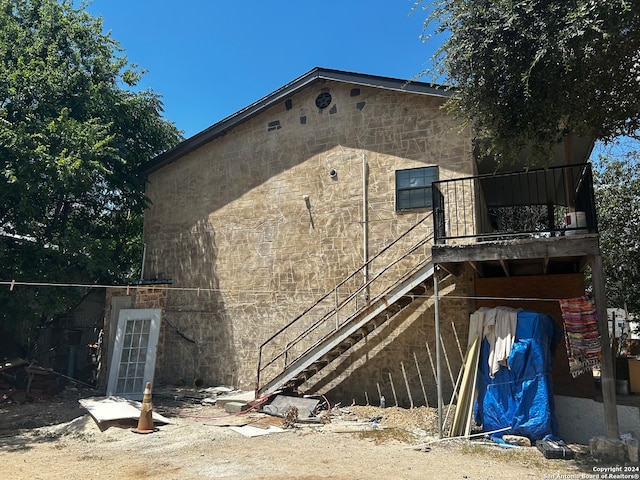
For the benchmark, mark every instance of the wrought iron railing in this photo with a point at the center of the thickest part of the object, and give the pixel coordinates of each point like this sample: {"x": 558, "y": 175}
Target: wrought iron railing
{"x": 388, "y": 268}
{"x": 535, "y": 203}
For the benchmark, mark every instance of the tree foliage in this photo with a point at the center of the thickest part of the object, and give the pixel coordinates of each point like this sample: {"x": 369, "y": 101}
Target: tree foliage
{"x": 527, "y": 72}
{"x": 73, "y": 132}
{"x": 617, "y": 184}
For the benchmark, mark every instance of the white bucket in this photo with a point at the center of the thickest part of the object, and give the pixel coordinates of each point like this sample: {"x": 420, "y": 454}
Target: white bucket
{"x": 576, "y": 223}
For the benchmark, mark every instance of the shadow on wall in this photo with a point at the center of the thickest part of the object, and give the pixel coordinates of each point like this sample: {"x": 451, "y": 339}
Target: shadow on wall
{"x": 195, "y": 347}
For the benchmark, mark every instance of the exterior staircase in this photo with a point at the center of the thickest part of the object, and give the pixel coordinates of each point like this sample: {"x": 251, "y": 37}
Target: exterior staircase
{"x": 348, "y": 313}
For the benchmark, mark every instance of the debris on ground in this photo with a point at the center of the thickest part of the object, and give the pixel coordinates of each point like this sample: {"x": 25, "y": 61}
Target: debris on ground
{"x": 290, "y": 418}
{"x": 22, "y": 381}
{"x": 109, "y": 411}
{"x": 307, "y": 409}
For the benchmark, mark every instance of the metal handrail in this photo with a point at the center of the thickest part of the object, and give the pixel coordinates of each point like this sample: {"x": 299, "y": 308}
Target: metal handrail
{"x": 340, "y": 305}
{"x": 534, "y": 202}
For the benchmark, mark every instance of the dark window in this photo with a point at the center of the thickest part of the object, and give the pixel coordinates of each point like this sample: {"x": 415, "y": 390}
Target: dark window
{"x": 275, "y": 125}
{"x": 413, "y": 187}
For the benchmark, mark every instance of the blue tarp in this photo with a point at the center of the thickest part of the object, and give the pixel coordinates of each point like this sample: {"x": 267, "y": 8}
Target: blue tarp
{"x": 521, "y": 397}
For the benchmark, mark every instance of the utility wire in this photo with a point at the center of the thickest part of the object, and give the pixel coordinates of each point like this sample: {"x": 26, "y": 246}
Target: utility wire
{"x": 13, "y": 283}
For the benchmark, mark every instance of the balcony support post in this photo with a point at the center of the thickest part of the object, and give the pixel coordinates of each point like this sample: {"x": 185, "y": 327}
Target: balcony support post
{"x": 607, "y": 372}
{"x": 436, "y": 309}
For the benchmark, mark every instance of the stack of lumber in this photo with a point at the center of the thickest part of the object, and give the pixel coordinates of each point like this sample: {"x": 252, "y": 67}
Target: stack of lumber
{"x": 466, "y": 385}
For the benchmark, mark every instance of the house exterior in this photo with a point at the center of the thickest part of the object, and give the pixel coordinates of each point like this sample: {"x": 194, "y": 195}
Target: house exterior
{"x": 336, "y": 235}
{"x": 256, "y": 217}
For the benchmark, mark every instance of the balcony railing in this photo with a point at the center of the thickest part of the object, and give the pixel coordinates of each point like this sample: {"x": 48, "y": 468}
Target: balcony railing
{"x": 535, "y": 203}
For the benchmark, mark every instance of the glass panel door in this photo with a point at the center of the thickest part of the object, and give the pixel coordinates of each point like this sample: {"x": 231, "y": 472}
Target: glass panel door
{"x": 134, "y": 352}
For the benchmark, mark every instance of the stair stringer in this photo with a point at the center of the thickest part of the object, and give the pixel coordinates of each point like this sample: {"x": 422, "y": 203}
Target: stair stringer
{"x": 359, "y": 320}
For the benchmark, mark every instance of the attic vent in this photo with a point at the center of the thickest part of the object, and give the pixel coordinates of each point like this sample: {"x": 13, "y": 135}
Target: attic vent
{"x": 288, "y": 104}
{"x": 355, "y": 92}
{"x": 323, "y": 100}
{"x": 275, "y": 125}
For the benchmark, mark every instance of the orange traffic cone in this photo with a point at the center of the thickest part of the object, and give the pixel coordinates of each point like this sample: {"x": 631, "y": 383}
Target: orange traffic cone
{"x": 145, "y": 423}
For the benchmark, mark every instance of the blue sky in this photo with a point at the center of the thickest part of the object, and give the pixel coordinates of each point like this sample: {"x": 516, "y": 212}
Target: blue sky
{"x": 209, "y": 59}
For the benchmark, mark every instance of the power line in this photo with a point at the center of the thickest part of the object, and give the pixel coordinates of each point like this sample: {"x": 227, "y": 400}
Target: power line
{"x": 13, "y": 283}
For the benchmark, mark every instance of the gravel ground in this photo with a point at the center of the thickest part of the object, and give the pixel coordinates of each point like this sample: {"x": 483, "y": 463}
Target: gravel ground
{"x": 57, "y": 439}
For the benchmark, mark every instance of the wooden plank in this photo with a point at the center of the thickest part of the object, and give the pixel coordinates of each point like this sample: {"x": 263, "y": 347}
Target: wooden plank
{"x": 476, "y": 327}
{"x": 472, "y": 394}
{"x": 454, "y": 269}
{"x": 477, "y": 267}
{"x": 545, "y": 265}
{"x": 574, "y": 246}
{"x": 466, "y": 394}
{"x": 607, "y": 372}
{"x": 505, "y": 267}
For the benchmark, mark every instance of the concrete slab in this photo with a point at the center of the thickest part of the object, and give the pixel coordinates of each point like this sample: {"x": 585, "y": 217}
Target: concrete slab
{"x": 608, "y": 450}
{"x": 581, "y": 419}
{"x": 281, "y": 404}
{"x": 240, "y": 396}
{"x": 235, "y": 407}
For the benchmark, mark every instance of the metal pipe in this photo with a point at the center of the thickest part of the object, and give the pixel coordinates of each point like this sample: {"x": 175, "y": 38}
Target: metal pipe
{"x": 365, "y": 229}
{"x": 436, "y": 308}
{"x": 144, "y": 255}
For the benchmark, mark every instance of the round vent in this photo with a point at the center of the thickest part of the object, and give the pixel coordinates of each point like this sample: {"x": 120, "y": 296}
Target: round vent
{"x": 323, "y": 100}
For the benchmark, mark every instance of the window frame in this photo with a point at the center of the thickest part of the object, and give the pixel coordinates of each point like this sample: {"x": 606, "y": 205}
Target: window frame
{"x": 427, "y": 171}
{"x": 140, "y": 369}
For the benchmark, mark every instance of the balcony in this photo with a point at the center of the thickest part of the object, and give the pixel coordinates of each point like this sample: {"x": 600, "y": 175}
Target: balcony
{"x": 538, "y": 203}
{"x": 535, "y": 222}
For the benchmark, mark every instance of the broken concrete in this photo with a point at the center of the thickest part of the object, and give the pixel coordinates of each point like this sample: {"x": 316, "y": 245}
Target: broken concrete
{"x": 632, "y": 448}
{"x": 608, "y": 450}
{"x": 281, "y": 404}
{"x": 236, "y": 407}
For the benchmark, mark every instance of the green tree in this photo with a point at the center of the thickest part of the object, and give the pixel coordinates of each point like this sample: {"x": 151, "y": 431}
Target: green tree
{"x": 73, "y": 132}
{"x": 529, "y": 72}
{"x": 617, "y": 184}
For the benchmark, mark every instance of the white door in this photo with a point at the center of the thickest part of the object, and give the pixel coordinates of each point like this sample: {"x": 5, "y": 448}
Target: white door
{"x": 134, "y": 352}
{"x": 117, "y": 303}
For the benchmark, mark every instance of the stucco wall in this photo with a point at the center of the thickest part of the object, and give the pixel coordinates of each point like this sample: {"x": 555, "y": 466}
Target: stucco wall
{"x": 230, "y": 226}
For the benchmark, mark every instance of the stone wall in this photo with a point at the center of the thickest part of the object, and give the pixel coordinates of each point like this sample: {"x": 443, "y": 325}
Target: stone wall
{"x": 257, "y": 227}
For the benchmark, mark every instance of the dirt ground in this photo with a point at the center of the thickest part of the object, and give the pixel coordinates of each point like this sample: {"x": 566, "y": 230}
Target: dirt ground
{"x": 57, "y": 439}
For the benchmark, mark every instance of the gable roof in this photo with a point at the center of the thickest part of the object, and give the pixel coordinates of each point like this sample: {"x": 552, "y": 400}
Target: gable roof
{"x": 309, "y": 78}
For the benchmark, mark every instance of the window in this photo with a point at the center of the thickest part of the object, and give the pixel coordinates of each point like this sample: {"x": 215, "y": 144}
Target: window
{"x": 413, "y": 187}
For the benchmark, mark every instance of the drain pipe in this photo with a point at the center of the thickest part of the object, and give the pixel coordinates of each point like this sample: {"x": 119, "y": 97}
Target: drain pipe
{"x": 144, "y": 257}
{"x": 365, "y": 227}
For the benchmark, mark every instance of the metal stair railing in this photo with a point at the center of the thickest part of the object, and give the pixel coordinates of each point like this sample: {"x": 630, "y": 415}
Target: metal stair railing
{"x": 347, "y": 300}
